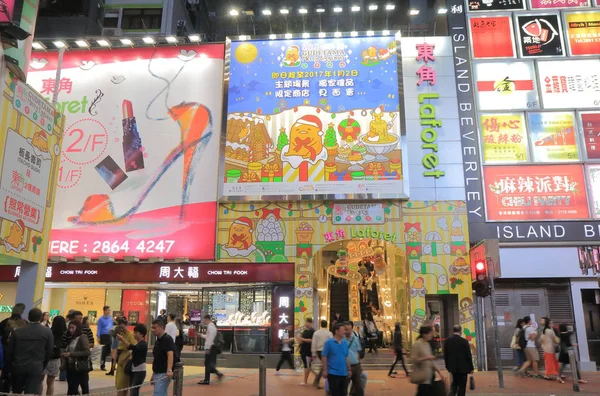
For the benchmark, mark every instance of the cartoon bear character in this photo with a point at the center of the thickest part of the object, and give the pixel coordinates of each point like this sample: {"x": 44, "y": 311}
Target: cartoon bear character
{"x": 306, "y": 138}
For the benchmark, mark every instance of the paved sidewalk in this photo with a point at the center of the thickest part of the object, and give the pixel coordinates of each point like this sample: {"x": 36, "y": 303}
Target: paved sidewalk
{"x": 244, "y": 382}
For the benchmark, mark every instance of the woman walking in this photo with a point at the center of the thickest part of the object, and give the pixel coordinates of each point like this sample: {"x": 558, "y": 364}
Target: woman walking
{"x": 549, "y": 344}
{"x": 122, "y": 379}
{"x": 77, "y": 358}
{"x": 424, "y": 367}
{"x": 518, "y": 352}
{"x": 52, "y": 370}
{"x": 138, "y": 357}
{"x": 563, "y": 357}
{"x": 399, "y": 351}
{"x": 179, "y": 339}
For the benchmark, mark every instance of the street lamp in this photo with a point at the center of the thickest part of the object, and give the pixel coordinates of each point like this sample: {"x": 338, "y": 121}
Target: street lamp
{"x": 337, "y": 9}
{"x": 235, "y": 13}
{"x": 388, "y": 8}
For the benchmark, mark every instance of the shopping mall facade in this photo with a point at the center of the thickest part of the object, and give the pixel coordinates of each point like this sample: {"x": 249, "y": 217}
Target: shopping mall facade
{"x": 246, "y": 179}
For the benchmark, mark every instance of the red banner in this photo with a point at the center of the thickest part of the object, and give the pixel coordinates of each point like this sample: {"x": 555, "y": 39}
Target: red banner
{"x": 492, "y": 37}
{"x": 538, "y": 192}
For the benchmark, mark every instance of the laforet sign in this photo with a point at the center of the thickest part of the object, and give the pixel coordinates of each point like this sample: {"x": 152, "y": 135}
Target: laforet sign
{"x": 580, "y": 231}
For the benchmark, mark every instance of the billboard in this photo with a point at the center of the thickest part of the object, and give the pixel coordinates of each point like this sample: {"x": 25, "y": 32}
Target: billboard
{"x": 31, "y": 136}
{"x": 553, "y": 137}
{"x": 492, "y": 37}
{"x": 503, "y": 138}
{"x": 539, "y": 35}
{"x": 583, "y": 32}
{"x": 570, "y": 83}
{"x": 546, "y": 4}
{"x": 495, "y": 5}
{"x": 313, "y": 117}
{"x": 590, "y": 122}
{"x": 537, "y": 192}
{"x": 593, "y": 175}
{"x": 506, "y": 86}
{"x": 138, "y": 174}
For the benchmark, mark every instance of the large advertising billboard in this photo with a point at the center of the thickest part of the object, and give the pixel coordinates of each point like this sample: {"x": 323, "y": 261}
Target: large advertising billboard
{"x": 313, "y": 117}
{"x": 138, "y": 173}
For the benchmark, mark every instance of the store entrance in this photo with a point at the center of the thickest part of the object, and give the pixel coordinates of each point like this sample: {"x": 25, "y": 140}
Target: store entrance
{"x": 591, "y": 313}
{"x": 442, "y": 315}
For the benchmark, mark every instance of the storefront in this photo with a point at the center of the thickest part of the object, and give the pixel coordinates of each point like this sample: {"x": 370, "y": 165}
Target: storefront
{"x": 529, "y": 145}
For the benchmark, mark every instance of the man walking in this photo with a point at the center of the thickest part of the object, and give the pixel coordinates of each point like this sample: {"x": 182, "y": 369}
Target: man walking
{"x": 459, "y": 361}
{"x": 354, "y": 349}
{"x": 286, "y": 349}
{"x": 210, "y": 351}
{"x": 336, "y": 364}
{"x": 306, "y": 347}
{"x": 316, "y": 346}
{"x": 164, "y": 359}
{"x": 105, "y": 324}
{"x": 527, "y": 341}
{"x": 29, "y": 351}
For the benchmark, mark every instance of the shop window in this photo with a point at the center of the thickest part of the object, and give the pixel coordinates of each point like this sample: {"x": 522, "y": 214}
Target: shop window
{"x": 141, "y": 19}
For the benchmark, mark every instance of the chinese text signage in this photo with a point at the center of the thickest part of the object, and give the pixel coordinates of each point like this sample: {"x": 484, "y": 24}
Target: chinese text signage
{"x": 553, "y": 137}
{"x": 504, "y": 138}
{"x": 313, "y": 117}
{"x": 590, "y": 122}
{"x": 570, "y": 83}
{"x": 492, "y": 37}
{"x": 495, "y": 5}
{"x": 583, "y": 32}
{"x": 539, "y": 35}
{"x": 282, "y": 313}
{"x": 593, "y": 174}
{"x": 545, "y": 4}
{"x": 361, "y": 213}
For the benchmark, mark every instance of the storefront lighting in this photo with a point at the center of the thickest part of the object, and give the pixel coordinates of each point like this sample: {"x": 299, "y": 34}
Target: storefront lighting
{"x": 322, "y": 35}
{"x": 398, "y": 35}
{"x": 126, "y": 41}
{"x": 413, "y": 12}
{"x": 59, "y": 44}
{"x": 288, "y": 35}
{"x": 373, "y": 7}
{"x": 303, "y": 11}
{"x": 244, "y": 37}
{"x": 83, "y": 259}
{"x": 370, "y": 33}
{"x": 82, "y": 43}
{"x": 132, "y": 259}
{"x": 181, "y": 259}
{"x": 390, "y": 7}
{"x": 57, "y": 259}
{"x": 385, "y": 32}
{"x": 156, "y": 259}
{"x": 148, "y": 40}
{"x": 353, "y": 33}
{"x": 106, "y": 259}
{"x": 272, "y": 36}
{"x": 355, "y": 8}
{"x": 338, "y": 9}
{"x": 38, "y": 46}
{"x": 234, "y": 12}
{"x": 320, "y": 10}
{"x": 194, "y": 38}
{"x": 337, "y": 34}
{"x": 442, "y": 10}
{"x": 284, "y": 11}
{"x": 103, "y": 43}
{"x": 266, "y": 12}
{"x": 171, "y": 39}
{"x": 305, "y": 35}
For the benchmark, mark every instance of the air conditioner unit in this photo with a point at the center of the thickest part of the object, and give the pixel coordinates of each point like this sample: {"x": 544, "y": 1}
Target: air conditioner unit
{"x": 112, "y": 32}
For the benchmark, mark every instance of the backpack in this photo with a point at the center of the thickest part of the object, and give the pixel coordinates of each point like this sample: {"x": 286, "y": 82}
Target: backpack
{"x": 219, "y": 342}
{"x": 522, "y": 340}
{"x": 11, "y": 325}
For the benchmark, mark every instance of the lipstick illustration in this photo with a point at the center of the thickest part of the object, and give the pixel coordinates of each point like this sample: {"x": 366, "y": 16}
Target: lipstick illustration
{"x": 132, "y": 142}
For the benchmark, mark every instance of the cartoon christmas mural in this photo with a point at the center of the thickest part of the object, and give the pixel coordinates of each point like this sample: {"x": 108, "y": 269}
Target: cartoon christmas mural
{"x": 296, "y": 232}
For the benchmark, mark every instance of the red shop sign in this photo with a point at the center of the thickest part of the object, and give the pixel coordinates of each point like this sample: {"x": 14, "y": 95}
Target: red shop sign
{"x": 170, "y": 273}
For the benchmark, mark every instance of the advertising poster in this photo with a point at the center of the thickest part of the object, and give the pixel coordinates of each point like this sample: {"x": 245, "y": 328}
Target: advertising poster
{"x": 503, "y": 138}
{"x": 553, "y": 137}
{"x": 539, "y": 35}
{"x": 546, "y": 4}
{"x": 593, "y": 174}
{"x": 590, "y": 122}
{"x": 138, "y": 175}
{"x": 492, "y": 37}
{"x": 495, "y": 5}
{"x": 538, "y": 192}
{"x": 7, "y": 9}
{"x": 583, "y": 32}
{"x": 506, "y": 86}
{"x": 31, "y": 135}
{"x": 573, "y": 84}
{"x": 313, "y": 117}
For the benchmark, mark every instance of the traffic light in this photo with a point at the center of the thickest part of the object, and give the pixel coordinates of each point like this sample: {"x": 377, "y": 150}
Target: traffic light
{"x": 481, "y": 285}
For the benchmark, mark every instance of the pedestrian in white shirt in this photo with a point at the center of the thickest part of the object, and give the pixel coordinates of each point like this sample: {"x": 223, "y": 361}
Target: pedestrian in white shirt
{"x": 210, "y": 351}
{"x": 171, "y": 328}
{"x": 318, "y": 342}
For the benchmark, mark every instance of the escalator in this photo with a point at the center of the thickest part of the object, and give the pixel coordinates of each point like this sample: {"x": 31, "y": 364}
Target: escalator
{"x": 338, "y": 300}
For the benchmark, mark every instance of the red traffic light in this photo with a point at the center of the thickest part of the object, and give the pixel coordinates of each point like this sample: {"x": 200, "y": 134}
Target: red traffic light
{"x": 480, "y": 266}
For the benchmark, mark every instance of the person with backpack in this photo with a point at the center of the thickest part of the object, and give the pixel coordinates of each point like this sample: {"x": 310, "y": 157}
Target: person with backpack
{"x": 52, "y": 370}
{"x": 7, "y": 326}
{"x": 212, "y": 347}
{"x": 527, "y": 342}
{"x": 514, "y": 344}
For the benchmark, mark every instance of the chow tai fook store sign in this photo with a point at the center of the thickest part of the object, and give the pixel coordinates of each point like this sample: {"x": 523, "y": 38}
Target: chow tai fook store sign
{"x": 528, "y": 193}
{"x": 170, "y": 273}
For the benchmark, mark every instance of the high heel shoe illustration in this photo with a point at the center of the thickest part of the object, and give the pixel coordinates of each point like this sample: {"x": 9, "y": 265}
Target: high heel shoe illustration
{"x": 195, "y": 123}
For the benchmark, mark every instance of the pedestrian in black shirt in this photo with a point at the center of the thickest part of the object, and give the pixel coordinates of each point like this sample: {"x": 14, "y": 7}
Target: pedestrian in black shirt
{"x": 305, "y": 347}
{"x": 139, "y": 352}
{"x": 164, "y": 359}
{"x": 459, "y": 362}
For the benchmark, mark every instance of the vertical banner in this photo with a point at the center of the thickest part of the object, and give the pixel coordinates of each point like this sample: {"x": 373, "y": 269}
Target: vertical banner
{"x": 504, "y": 138}
{"x": 553, "y": 137}
{"x": 593, "y": 175}
{"x": 590, "y": 122}
{"x": 583, "y": 32}
{"x": 282, "y": 314}
{"x": 539, "y": 35}
{"x": 492, "y": 37}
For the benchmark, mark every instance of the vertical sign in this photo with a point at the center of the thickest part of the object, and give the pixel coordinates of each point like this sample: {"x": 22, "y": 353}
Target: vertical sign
{"x": 282, "y": 313}
{"x": 593, "y": 175}
{"x": 466, "y": 111}
{"x": 590, "y": 123}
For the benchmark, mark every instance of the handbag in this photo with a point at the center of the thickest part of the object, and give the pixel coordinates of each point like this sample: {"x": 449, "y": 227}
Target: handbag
{"x": 472, "y": 383}
{"x": 128, "y": 367}
{"x": 439, "y": 387}
{"x": 419, "y": 374}
{"x": 82, "y": 366}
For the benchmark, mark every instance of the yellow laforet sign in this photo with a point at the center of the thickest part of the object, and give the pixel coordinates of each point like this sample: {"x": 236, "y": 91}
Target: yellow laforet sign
{"x": 31, "y": 133}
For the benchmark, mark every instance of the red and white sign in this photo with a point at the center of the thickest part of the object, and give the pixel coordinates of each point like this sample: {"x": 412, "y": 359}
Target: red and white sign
{"x": 537, "y": 192}
{"x": 570, "y": 84}
{"x": 546, "y": 4}
{"x": 590, "y": 122}
{"x": 506, "y": 86}
{"x": 138, "y": 176}
{"x": 492, "y": 37}
{"x": 583, "y": 32}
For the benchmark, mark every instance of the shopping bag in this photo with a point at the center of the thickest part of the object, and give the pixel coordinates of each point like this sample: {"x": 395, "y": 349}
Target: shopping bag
{"x": 439, "y": 387}
{"x": 472, "y": 383}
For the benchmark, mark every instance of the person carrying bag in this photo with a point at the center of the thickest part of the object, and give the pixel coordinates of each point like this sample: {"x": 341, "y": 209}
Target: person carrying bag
{"x": 424, "y": 368}
{"x": 77, "y": 359}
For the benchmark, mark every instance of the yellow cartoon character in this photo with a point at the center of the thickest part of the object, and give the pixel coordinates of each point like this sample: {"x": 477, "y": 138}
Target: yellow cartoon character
{"x": 306, "y": 140}
{"x": 240, "y": 234}
{"x": 14, "y": 240}
{"x": 292, "y": 56}
{"x": 40, "y": 141}
{"x": 369, "y": 56}
{"x": 379, "y": 261}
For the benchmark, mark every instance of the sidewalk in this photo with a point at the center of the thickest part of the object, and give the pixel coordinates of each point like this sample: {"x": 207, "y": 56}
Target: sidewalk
{"x": 244, "y": 382}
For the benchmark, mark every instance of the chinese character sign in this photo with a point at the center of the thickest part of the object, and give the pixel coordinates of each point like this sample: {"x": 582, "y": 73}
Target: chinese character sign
{"x": 553, "y": 137}
{"x": 590, "y": 122}
{"x": 495, "y": 5}
{"x": 539, "y": 35}
{"x": 593, "y": 174}
{"x": 492, "y": 37}
{"x": 30, "y": 142}
{"x": 545, "y": 4}
{"x": 313, "y": 117}
{"x": 583, "y": 32}
{"x": 572, "y": 83}
{"x": 506, "y": 86}
{"x": 538, "y": 192}
{"x": 504, "y": 138}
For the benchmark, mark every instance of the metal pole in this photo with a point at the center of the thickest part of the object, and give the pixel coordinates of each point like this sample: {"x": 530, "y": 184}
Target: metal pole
{"x": 61, "y": 52}
{"x": 479, "y": 322}
{"x": 497, "y": 356}
{"x": 262, "y": 375}
{"x": 178, "y": 379}
{"x": 573, "y": 364}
